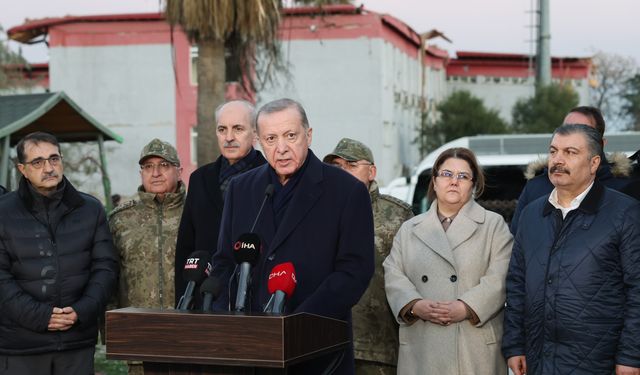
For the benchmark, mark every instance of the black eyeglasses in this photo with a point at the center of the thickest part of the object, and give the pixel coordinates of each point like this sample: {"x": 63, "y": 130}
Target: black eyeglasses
{"x": 39, "y": 162}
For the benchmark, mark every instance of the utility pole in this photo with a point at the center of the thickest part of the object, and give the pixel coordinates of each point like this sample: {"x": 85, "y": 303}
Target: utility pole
{"x": 543, "y": 56}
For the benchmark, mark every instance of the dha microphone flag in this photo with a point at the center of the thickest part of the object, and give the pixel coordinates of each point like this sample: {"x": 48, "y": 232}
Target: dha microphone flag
{"x": 281, "y": 285}
{"x": 196, "y": 268}
{"x": 246, "y": 252}
{"x": 210, "y": 290}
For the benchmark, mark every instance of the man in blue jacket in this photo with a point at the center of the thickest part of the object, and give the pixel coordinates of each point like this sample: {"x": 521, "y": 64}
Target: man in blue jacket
{"x": 58, "y": 267}
{"x": 319, "y": 218}
{"x": 573, "y": 286}
{"x": 613, "y": 173}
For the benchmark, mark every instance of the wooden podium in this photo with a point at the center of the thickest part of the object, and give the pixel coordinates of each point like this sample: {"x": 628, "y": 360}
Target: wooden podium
{"x": 176, "y": 342}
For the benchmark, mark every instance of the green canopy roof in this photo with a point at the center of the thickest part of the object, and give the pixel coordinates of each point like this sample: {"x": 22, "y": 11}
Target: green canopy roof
{"x": 52, "y": 112}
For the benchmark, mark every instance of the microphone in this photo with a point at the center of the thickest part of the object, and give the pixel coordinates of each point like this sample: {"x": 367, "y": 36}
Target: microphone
{"x": 246, "y": 252}
{"x": 196, "y": 268}
{"x": 267, "y": 193}
{"x": 210, "y": 290}
{"x": 281, "y": 285}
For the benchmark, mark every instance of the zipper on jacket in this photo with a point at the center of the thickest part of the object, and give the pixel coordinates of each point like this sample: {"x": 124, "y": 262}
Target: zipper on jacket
{"x": 559, "y": 233}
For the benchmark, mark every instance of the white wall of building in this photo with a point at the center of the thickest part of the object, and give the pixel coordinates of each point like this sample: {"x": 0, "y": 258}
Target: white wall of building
{"x": 366, "y": 89}
{"x": 128, "y": 88}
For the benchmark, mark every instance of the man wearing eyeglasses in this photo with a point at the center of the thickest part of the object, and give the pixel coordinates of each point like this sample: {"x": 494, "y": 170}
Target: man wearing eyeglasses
{"x": 145, "y": 230}
{"x": 207, "y": 185}
{"x": 375, "y": 331}
{"x": 58, "y": 267}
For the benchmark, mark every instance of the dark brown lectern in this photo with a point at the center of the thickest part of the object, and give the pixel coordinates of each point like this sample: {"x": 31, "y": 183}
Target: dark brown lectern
{"x": 174, "y": 342}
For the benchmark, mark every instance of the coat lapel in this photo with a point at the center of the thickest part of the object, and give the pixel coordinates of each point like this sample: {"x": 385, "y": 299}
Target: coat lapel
{"x": 307, "y": 194}
{"x": 465, "y": 223}
{"x": 430, "y": 232}
{"x": 212, "y": 185}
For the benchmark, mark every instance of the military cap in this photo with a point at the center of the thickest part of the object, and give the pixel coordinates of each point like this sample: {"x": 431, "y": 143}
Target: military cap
{"x": 350, "y": 150}
{"x": 160, "y": 149}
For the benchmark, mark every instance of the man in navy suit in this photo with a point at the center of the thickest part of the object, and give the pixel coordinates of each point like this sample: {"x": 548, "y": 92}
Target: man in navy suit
{"x": 319, "y": 218}
{"x": 203, "y": 207}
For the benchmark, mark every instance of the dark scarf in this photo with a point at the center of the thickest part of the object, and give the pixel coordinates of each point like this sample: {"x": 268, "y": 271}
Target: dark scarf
{"x": 282, "y": 194}
{"x": 228, "y": 170}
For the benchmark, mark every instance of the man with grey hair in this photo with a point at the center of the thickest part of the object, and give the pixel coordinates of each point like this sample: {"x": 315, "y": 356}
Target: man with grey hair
{"x": 316, "y": 217}
{"x": 200, "y": 220}
{"x": 573, "y": 286}
{"x": 613, "y": 173}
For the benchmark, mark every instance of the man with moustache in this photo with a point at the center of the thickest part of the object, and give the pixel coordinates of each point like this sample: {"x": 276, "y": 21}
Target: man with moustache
{"x": 613, "y": 174}
{"x": 319, "y": 218}
{"x": 58, "y": 267}
{"x": 207, "y": 185}
{"x": 573, "y": 286}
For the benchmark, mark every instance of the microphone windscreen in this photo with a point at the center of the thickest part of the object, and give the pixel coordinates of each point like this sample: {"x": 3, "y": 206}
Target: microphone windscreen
{"x": 197, "y": 266}
{"x": 247, "y": 248}
{"x": 282, "y": 277}
{"x": 211, "y": 285}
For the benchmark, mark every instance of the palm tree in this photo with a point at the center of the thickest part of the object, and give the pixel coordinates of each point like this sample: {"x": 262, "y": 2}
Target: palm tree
{"x": 243, "y": 27}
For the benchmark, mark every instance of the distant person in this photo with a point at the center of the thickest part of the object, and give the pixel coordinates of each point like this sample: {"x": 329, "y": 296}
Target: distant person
{"x": 200, "y": 221}
{"x": 318, "y": 218}
{"x": 445, "y": 276}
{"x": 58, "y": 267}
{"x": 573, "y": 287}
{"x": 145, "y": 230}
{"x": 613, "y": 174}
{"x": 375, "y": 330}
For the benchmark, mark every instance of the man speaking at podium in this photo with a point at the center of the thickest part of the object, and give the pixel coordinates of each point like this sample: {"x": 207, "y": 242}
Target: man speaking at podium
{"x": 318, "y": 218}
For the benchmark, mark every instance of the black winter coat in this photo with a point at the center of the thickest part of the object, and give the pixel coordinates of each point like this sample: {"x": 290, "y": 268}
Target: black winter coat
{"x": 573, "y": 286}
{"x": 72, "y": 264}
{"x": 201, "y": 216}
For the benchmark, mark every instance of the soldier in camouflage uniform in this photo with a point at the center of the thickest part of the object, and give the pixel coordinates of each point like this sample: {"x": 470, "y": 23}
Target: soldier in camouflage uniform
{"x": 144, "y": 232}
{"x": 375, "y": 331}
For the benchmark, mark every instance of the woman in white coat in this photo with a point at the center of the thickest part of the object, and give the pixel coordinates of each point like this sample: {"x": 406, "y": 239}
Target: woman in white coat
{"x": 445, "y": 276}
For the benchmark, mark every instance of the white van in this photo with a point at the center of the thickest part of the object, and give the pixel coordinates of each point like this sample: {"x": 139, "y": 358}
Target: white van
{"x": 504, "y": 159}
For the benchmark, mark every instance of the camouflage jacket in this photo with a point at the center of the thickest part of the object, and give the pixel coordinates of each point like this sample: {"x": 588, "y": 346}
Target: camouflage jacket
{"x": 144, "y": 232}
{"x": 375, "y": 331}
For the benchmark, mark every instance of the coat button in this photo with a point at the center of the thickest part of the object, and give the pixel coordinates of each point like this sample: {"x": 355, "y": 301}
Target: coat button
{"x": 425, "y": 278}
{"x": 453, "y": 278}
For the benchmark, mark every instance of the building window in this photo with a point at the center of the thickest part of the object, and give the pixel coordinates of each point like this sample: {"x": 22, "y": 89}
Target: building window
{"x": 193, "y": 57}
{"x": 193, "y": 145}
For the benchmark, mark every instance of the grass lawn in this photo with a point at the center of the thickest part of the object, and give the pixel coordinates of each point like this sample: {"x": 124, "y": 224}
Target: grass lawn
{"x": 105, "y": 366}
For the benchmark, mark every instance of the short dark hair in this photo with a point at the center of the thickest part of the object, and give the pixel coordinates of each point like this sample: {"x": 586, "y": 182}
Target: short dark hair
{"x": 593, "y": 136}
{"x": 593, "y": 113}
{"x": 35, "y": 137}
{"x": 280, "y": 105}
{"x": 463, "y": 154}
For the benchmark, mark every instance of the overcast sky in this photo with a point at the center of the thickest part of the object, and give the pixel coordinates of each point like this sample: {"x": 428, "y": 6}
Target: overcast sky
{"x": 578, "y": 27}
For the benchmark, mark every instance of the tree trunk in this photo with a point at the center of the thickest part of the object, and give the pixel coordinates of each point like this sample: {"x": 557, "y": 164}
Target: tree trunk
{"x": 211, "y": 93}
